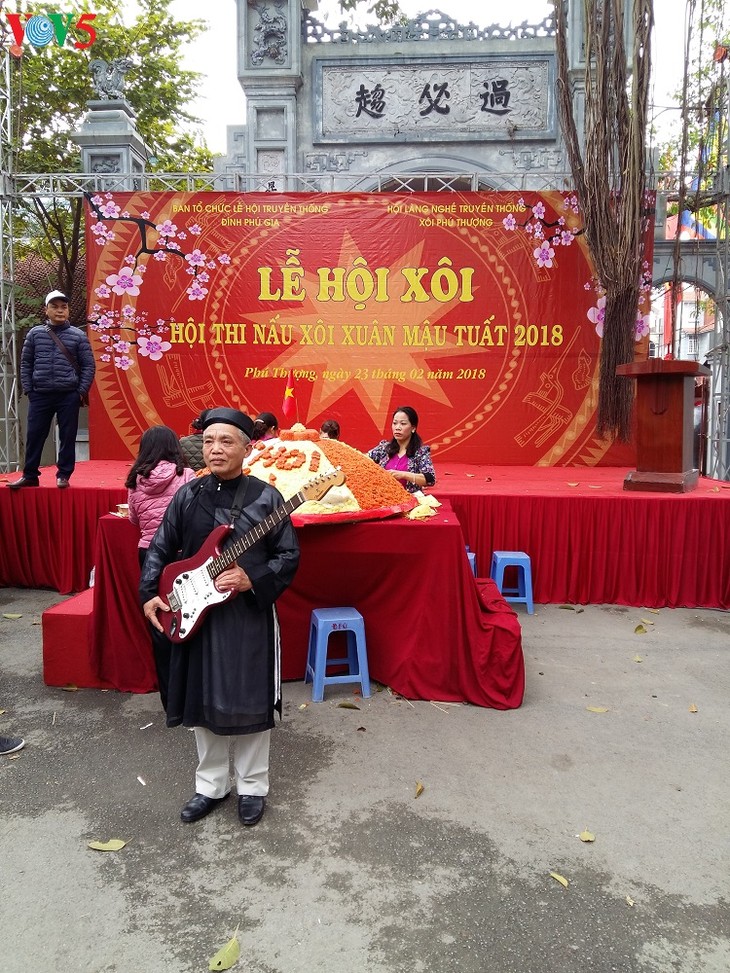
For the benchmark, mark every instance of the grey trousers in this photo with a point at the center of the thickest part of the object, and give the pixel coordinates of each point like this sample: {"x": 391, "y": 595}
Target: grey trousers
{"x": 250, "y": 763}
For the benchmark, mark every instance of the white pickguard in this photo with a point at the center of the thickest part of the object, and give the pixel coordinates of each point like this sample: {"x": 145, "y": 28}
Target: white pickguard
{"x": 192, "y": 593}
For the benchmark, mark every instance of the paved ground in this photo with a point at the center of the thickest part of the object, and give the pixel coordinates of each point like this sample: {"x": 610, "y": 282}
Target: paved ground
{"x": 349, "y": 871}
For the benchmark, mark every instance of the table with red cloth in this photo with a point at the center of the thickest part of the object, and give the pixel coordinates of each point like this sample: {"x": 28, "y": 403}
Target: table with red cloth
{"x": 433, "y": 631}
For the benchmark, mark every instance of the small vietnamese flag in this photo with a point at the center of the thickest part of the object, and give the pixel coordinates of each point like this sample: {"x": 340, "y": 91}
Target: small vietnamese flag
{"x": 289, "y": 405}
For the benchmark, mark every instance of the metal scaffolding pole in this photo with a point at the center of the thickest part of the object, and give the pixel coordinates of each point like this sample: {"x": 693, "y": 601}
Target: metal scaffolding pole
{"x": 9, "y": 420}
{"x": 719, "y": 359}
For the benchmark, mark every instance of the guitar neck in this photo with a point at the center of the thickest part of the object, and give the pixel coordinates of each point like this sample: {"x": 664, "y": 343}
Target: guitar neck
{"x": 240, "y": 546}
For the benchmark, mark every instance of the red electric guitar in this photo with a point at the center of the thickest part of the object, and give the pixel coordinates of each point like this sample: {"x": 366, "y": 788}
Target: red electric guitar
{"x": 188, "y": 586}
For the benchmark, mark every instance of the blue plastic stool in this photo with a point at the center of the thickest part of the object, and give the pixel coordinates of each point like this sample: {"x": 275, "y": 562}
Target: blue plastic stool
{"x": 521, "y": 561}
{"x": 326, "y": 621}
{"x": 472, "y": 561}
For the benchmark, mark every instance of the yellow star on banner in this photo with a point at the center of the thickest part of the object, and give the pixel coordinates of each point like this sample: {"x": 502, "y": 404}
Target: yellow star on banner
{"x": 373, "y": 366}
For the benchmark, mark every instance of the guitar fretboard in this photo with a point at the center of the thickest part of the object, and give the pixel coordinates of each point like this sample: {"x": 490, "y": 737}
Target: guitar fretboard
{"x": 239, "y": 547}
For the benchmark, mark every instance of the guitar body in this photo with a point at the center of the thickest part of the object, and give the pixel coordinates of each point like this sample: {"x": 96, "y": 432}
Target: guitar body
{"x": 189, "y": 588}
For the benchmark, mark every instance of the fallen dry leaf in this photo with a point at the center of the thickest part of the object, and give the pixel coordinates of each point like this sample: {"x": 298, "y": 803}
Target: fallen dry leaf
{"x": 303, "y": 705}
{"x": 419, "y": 789}
{"x": 640, "y": 630}
{"x": 560, "y": 878}
{"x": 12, "y": 615}
{"x": 70, "y": 688}
{"x": 227, "y": 955}
{"x": 597, "y": 709}
{"x": 587, "y": 836}
{"x": 629, "y": 900}
{"x": 572, "y": 608}
{"x": 693, "y": 708}
{"x": 360, "y": 729}
{"x": 114, "y": 844}
{"x": 647, "y": 621}
{"x": 346, "y": 705}
{"x": 637, "y": 658}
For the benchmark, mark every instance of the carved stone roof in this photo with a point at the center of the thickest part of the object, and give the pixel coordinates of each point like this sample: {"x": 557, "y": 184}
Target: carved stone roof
{"x": 433, "y": 25}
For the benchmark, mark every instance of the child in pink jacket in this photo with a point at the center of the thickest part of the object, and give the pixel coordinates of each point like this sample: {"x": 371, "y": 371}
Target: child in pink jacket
{"x": 156, "y": 475}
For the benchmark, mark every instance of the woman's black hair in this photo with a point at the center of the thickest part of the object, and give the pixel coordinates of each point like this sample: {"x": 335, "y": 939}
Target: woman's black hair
{"x": 331, "y": 427}
{"x": 263, "y": 423}
{"x": 198, "y": 421}
{"x": 157, "y": 443}
{"x": 415, "y": 442}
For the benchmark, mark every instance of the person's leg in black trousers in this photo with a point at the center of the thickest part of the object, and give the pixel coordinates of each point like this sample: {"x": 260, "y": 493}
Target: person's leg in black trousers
{"x": 41, "y": 411}
{"x": 67, "y": 410}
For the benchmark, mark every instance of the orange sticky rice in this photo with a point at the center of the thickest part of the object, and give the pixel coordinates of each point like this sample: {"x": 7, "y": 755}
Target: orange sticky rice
{"x": 299, "y": 454}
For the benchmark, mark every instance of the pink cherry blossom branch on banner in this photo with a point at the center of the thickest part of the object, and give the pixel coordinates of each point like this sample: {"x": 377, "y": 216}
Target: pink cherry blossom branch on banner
{"x": 126, "y": 331}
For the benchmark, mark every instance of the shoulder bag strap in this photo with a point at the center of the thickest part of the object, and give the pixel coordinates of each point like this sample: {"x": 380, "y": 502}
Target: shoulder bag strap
{"x": 72, "y": 361}
{"x": 239, "y": 498}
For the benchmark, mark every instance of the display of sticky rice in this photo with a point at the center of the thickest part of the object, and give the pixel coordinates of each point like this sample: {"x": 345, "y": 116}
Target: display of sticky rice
{"x": 369, "y": 491}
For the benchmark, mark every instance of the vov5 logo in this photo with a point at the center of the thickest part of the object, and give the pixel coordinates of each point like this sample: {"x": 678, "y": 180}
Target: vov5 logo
{"x": 41, "y": 29}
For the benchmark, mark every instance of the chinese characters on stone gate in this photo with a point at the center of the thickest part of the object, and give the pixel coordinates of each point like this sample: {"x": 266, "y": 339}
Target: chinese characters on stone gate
{"x": 478, "y": 99}
{"x": 435, "y": 97}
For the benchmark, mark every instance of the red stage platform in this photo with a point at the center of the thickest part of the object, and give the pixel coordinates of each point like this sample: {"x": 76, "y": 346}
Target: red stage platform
{"x": 590, "y": 541}
{"x": 48, "y": 534}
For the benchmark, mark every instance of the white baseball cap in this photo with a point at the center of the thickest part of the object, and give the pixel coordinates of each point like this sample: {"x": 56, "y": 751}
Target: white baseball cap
{"x": 55, "y": 296}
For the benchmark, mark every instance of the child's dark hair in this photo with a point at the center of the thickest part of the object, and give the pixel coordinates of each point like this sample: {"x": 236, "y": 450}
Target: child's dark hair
{"x": 157, "y": 443}
{"x": 263, "y": 424}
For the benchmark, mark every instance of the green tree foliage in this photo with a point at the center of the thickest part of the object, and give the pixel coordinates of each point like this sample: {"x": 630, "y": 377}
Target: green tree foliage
{"x": 52, "y": 85}
{"x": 386, "y": 11}
{"x": 50, "y": 89}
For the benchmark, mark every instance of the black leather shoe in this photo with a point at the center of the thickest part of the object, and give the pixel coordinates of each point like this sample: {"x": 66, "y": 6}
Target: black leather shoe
{"x": 62, "y": 482}
{"x": 250, "y": 808}
{"x": 198, "y": 806}
{"x": 24, "y": 481}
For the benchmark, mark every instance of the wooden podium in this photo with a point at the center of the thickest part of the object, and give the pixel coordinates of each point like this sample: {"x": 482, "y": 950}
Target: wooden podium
{"x": 664, "y": 424}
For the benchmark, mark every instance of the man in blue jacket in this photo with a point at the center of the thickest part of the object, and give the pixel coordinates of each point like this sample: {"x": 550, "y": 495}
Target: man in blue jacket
{"x": 56, "y": 371}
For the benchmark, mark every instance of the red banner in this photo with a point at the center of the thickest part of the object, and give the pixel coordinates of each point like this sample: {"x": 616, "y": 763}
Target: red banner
{"x": 480, "y": 310}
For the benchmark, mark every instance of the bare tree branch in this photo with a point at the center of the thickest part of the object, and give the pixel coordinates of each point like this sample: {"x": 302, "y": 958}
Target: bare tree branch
{"x": 609, "y": 172}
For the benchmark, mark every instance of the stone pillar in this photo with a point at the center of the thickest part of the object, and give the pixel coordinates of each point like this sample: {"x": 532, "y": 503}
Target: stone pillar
{"x": 269, "y": 70}
{"x": 111, "y": 144}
